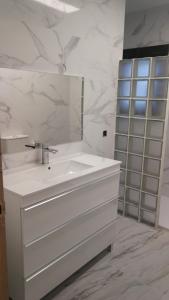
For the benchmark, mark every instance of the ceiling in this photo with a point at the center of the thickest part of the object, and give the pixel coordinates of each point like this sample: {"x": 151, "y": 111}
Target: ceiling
{"x": 136, "y": 5}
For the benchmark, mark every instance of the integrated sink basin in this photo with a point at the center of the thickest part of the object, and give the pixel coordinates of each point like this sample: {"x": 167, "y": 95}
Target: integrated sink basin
{"x": 53, "y": 170}
{"x": 65, "y": 168}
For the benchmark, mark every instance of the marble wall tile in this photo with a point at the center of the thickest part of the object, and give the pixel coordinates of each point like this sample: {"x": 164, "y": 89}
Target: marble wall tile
{"x": 165, "y": 180}
{"x": 147, "y": 28}
{"x": 88, "y": 42}
{"x": 93, "y": 140}
{"x": 98, "y": 97}
{"x": 76, "y": 100}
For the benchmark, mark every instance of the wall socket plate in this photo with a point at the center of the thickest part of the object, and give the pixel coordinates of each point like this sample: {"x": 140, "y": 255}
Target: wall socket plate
{"x": 104, "y": 133}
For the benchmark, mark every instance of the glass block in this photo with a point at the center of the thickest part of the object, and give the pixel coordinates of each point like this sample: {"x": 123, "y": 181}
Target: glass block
{"x": 155, "y": 129}
{"x": 148, "y": 201}
{"x": 136, "y": 145}
{"x": 133, "y": 179}
{"x": 121, "y": 142}
{"x": 123, "y": 107}
{"x": 138, "y": 108}
{"x": 131, "y": 211}
{"x": 159, "y": 88}
{"x": 152, "y": 166}
{"x": 140, "y": 88}
{"x": 160, "y": 67}
{"x": 121, "y": 192}
{"x": 153, "y": 148}
{"x": 157, "y": 109}
{"x": 134, "y": 162}
{"x": 124, "y": 88}
{"x": 132, "y": 196}
{"x": 142, "y": 67}
{"x": 137, "y": 127}
{"x": 121, "y": 157}
{"x": 147, "y": 217}
{"x": 120, "y": 207}
{"x": 150, "y": 184}
{"x": 122, "y": 125}
{"x": 125, "y": 68}
{"x": 122, "y": 177}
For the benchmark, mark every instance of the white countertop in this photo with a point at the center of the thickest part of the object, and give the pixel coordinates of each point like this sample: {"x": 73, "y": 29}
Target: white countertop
{"x": 25, "y": 180}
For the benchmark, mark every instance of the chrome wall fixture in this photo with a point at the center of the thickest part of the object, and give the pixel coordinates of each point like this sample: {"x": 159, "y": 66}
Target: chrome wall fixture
{"x": 140, "y": 135}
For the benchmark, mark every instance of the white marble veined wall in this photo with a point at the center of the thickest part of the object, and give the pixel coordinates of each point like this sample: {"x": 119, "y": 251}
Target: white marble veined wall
{"x": 40, "y": 105}
{"x": 147, "y": 28}
{"x": 88, "y": 42}
{"x": 76, "y": 95}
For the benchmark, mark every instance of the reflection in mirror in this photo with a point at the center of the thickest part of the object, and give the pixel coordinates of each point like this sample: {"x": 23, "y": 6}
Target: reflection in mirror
{"x": 45, "y": 106}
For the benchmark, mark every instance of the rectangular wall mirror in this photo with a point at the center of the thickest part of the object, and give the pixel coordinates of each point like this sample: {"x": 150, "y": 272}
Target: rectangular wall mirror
{"x": 45, "y": 106}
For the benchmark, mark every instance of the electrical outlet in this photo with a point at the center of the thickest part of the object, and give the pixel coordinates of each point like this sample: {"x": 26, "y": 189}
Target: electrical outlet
{"x": 104, "y": 133}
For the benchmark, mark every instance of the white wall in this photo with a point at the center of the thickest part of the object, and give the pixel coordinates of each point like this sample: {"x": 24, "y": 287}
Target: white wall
{"x": 147, "y": 28}
{"x": 88, "y": 42}
{"x": 40, "y": 105}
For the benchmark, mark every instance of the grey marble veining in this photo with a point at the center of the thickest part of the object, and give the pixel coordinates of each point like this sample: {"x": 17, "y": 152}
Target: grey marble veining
{"x": 87, "y": 43}
{"x": 45, "y": 106}
{"x": 147, "y": 28}
{"x": 137, "y": 269}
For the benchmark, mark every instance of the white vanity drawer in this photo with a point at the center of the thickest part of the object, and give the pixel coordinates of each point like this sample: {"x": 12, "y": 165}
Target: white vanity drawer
{"x": 44, "y": 250}
{"x": 52, "y": 275}
{"x": 41, "y": 218}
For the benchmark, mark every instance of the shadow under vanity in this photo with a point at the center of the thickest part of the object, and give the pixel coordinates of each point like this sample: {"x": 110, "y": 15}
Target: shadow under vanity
{"x": 59, "y": 215}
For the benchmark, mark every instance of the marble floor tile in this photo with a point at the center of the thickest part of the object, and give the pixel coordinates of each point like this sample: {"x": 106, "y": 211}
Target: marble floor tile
{"x": 137, "y": 269}
{"x": 164, "y": 208}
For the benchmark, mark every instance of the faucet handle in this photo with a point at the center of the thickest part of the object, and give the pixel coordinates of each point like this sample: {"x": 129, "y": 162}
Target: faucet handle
{"x": 47, "y": 148}
{"x": 43, "y": 147}
{"x": 31, "y": 146}
{"x": 54, "y": 151}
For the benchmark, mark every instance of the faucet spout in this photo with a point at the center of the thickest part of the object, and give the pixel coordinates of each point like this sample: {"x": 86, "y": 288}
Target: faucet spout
{"x": 44, "y": 151}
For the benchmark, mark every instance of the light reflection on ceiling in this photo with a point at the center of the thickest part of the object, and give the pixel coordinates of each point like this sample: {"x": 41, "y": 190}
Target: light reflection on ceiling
{"x": 59, "y": 5}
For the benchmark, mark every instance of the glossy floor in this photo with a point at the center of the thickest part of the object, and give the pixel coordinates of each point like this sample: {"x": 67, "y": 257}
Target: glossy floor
{"x": 164, "y": 209}
{"x": 138, "y": 268}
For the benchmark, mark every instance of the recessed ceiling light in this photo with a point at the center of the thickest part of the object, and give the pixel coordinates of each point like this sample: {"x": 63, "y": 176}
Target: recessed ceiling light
{"x": 59, "y": 5}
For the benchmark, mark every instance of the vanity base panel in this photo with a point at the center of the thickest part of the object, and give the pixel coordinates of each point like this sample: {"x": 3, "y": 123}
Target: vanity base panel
{"x": 52, "y": 234}
{"x": 41, "y": 283}
{"x": 44, "y": 250}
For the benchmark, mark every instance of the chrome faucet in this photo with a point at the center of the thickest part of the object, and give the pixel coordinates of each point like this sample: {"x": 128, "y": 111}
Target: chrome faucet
{"x": 44, "y": 151}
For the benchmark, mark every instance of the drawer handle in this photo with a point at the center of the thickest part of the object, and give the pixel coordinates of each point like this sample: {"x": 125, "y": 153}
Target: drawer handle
{"x": 69, "y": 192}
{"x": 108, "y": 226}
{"x": 75, "y": 219}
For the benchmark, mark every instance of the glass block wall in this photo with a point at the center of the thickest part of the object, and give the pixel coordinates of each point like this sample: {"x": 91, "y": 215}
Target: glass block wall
{"x": 139, "y": 143}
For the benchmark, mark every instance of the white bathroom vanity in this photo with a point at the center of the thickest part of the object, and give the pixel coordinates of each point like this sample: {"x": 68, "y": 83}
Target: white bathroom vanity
{"x": 57, "y": 219}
